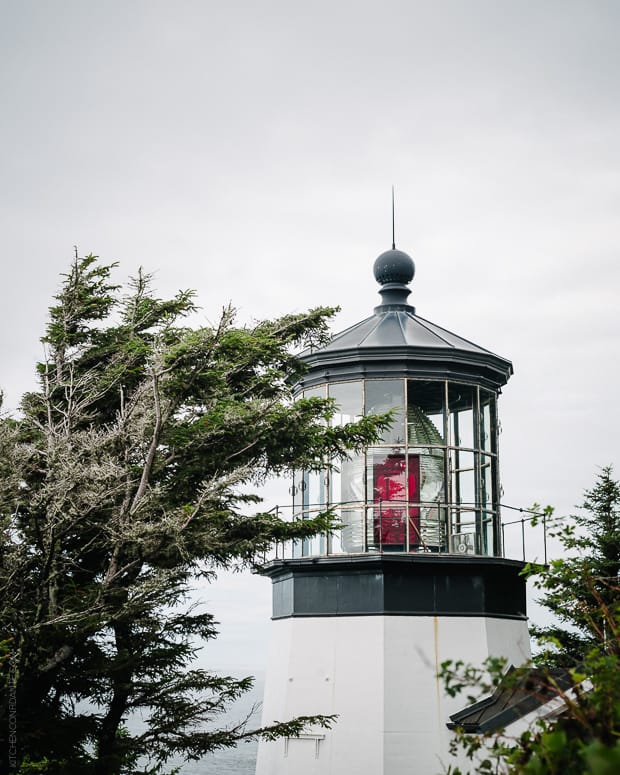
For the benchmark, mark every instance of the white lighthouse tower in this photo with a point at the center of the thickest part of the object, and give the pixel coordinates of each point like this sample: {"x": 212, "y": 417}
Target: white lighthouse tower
{"x": 363, "y": 618}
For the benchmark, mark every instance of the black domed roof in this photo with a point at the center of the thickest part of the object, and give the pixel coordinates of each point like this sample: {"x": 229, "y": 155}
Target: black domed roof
{"x": 397, "y": 342}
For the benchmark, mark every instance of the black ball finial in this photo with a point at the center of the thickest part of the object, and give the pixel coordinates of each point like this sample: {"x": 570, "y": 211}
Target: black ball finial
{"x": 394, "y": 266}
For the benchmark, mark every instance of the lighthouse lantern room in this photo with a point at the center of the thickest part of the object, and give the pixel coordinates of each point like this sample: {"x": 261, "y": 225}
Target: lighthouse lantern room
{"x": 364, "y": 616}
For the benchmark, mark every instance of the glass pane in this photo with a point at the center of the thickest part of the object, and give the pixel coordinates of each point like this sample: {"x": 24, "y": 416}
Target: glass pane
{"x": 465, "y": 429}
{"x": 455, "y": 524}
{"x": 432, "y": 496}
{"x": 488, "y": 534}
{"x": 452, "y": 419}
{"x": 431, "y": 475}
{"x": 309, "y": 494}
{"x": 465, "y": 479}
{"x": 383, "y": 395}
{"x": 316, "y": 392}
{"x": 487, "y": 420}
{"x": 461, "y": 400}
{"x": 320, "y": 391}
{"x": 314, "y": 497}
{"x": 314, "y": 546}
{"x": 335, "y": 485}
{"x": 393, "y": 480}
{"x": 349, "y": 399}
{"x": 372, "y": 514}
{"x": 314, "y": 493}
{"x": 296, "y": 492}
{"x": 334, "y": 540}
{"x": 350, "y": 481}
{"x": 352, "y": 534}
{"x": 425, "y": 403}
{"x": 486, "y": 481}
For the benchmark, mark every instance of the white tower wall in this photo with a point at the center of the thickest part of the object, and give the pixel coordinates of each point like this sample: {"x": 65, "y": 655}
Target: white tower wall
{"x": 379, "y": 675}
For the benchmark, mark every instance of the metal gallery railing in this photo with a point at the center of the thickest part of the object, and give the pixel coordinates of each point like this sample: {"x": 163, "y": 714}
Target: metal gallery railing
{"x": 415, "y": 528}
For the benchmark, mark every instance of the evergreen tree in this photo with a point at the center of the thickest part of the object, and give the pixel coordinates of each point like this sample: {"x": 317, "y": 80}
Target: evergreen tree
{"x": 581, "y": 588}
{"x": 578, "y": 662}
{"x": 130, "y": 472}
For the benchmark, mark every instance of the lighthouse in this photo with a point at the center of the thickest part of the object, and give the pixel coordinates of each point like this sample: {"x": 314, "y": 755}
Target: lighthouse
{"x": 363, "y": 617}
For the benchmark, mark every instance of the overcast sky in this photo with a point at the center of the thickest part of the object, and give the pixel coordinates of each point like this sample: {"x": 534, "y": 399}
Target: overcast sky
{"x": 247, "y": 149}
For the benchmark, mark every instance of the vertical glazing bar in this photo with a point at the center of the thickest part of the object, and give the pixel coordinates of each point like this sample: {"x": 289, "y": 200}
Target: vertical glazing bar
{"x": 328, "y": 538}
{"x": 364, "y": 480}
{"x": 323, "y": 538}
{"x": 482, "y": 538}
{"x": 305, "y": 492}
{"x": 293, "y": 492}
{"x": 406, "y": 449}
{"x": 447, "y": 488}
{"x": 456, "y": 476}
{"x": 498, "y": 535}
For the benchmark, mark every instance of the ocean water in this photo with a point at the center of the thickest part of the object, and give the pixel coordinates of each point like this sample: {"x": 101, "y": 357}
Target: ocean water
{"x": 232, "y": 761}
{"x": 235, "y": 761}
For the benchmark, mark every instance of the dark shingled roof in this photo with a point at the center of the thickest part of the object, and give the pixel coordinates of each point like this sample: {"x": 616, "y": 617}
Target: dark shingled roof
{"x": 517, "y": 697}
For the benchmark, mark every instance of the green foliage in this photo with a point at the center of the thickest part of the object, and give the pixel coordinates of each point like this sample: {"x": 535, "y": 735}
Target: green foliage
{"x": 582, "y": 590}
{"x": 128, "y": 473}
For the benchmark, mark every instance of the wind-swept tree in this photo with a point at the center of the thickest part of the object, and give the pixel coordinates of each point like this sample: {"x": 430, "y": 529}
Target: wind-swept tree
{"x": 131, "y": 471}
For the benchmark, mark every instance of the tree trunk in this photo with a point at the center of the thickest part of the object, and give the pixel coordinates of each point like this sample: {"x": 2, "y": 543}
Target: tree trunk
{"x": 110, "y": 749}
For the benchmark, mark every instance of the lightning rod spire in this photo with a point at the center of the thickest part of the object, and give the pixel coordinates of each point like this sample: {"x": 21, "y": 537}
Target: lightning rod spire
{"x": 393, "y": 237}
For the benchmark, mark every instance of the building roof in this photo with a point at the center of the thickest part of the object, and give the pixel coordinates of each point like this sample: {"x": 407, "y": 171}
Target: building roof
{"x": 400, "y": 327}
{"x": 517, "y": 696}
{"x": 394, "y": 341}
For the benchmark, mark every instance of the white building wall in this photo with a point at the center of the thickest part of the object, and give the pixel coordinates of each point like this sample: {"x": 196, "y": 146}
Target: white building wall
{"x": 325, "y": 665}
{"x": 379, "y": 674}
